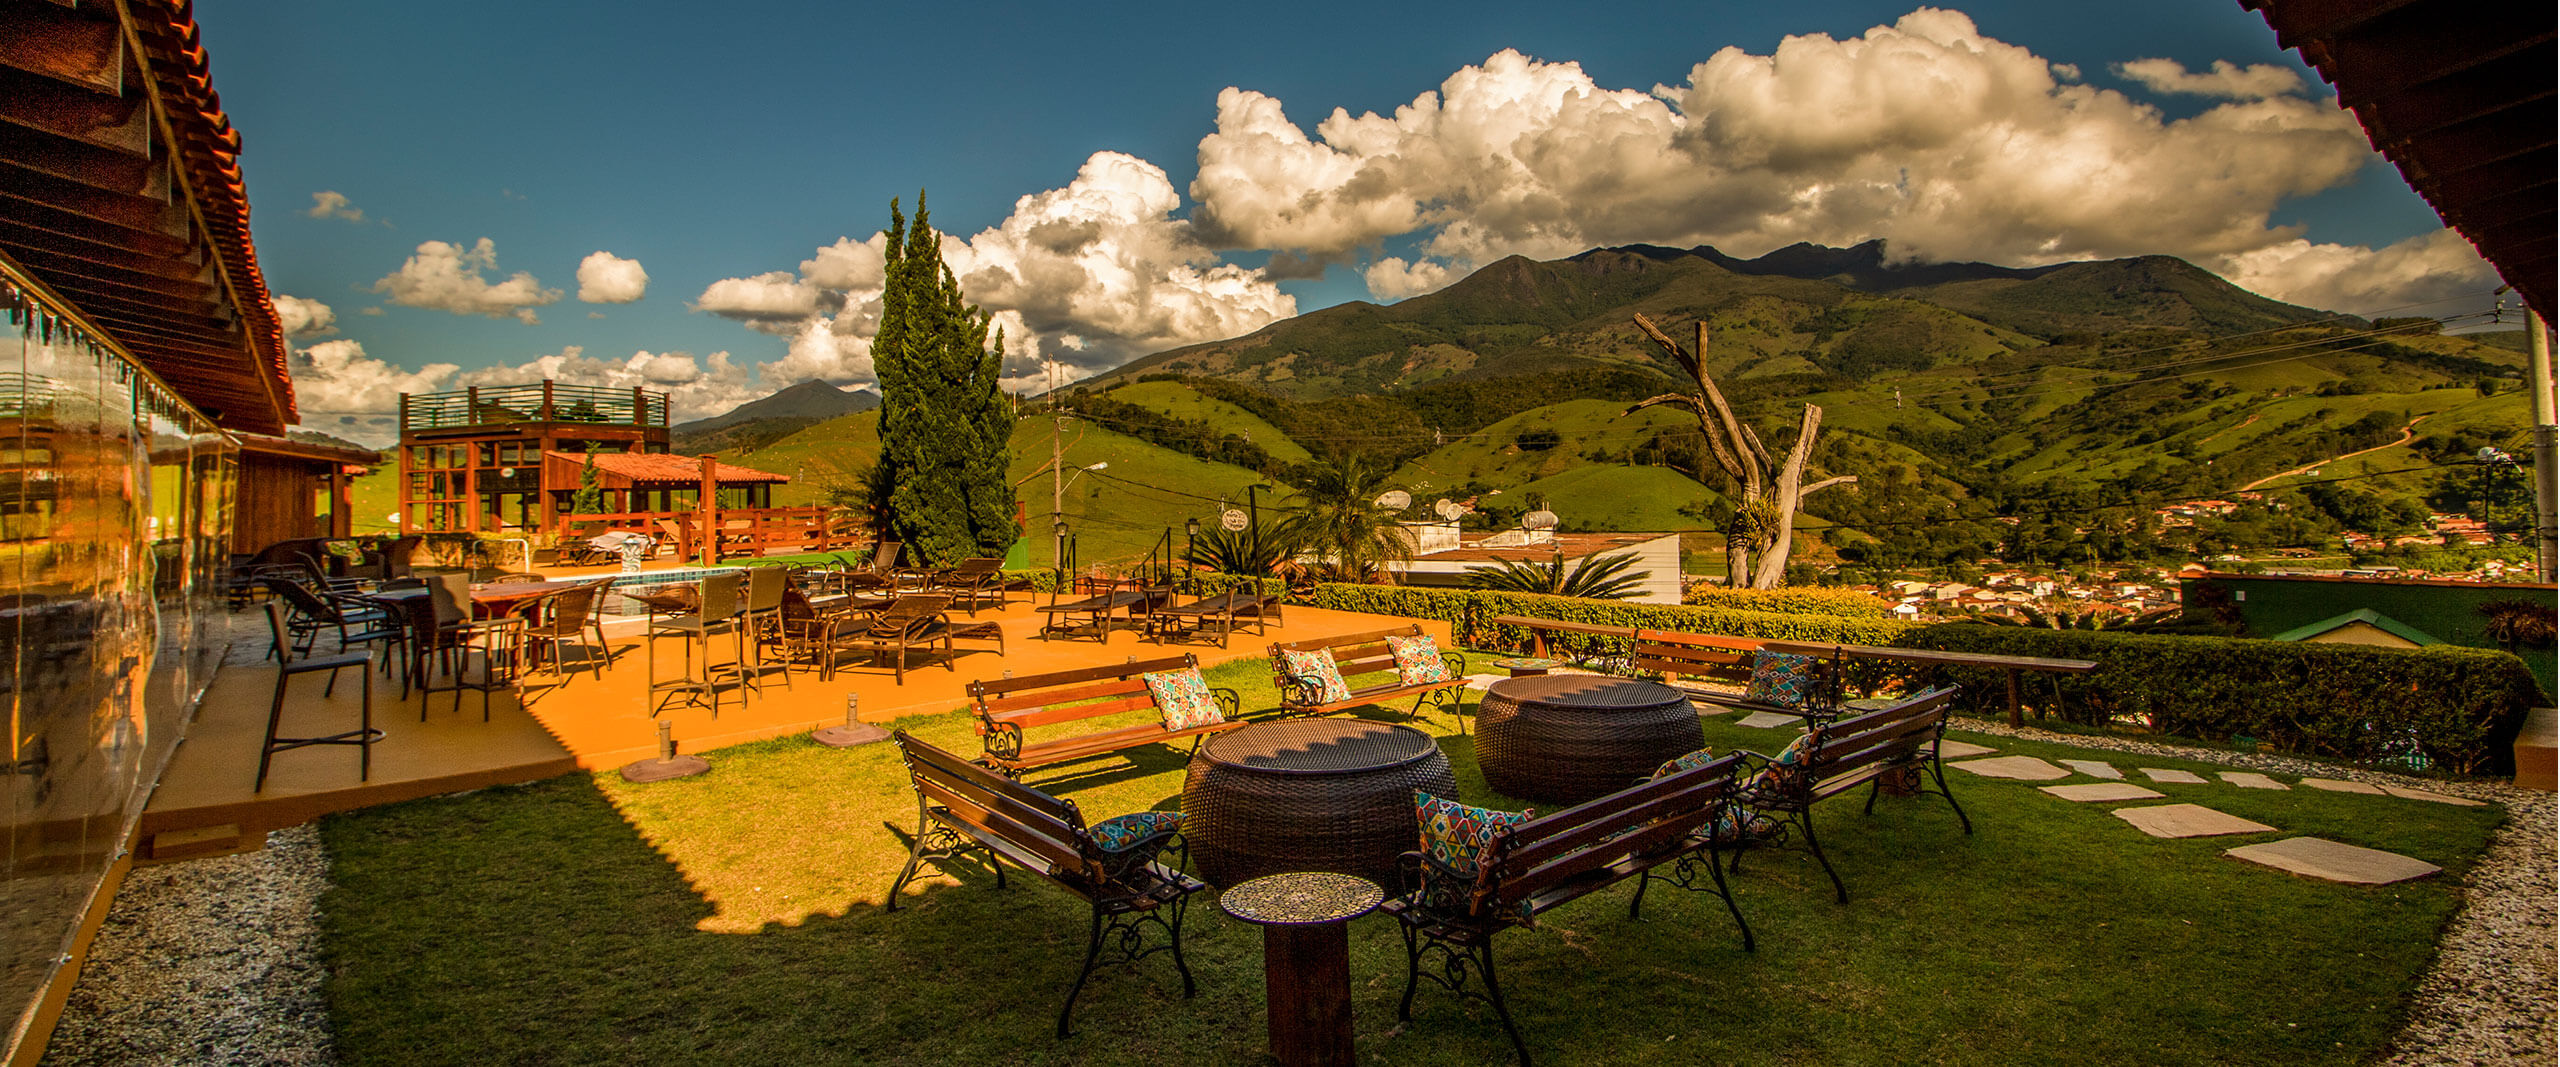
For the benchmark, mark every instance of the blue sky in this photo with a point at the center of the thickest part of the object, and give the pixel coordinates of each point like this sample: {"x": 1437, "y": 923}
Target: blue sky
{"x": 720, "y": 150}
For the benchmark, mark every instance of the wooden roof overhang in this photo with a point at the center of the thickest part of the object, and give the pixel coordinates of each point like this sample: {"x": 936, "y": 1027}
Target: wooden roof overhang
{"x": 120, "y": 190}
{"x": 2459, "y": 96}
{"x": 632, "y": 470}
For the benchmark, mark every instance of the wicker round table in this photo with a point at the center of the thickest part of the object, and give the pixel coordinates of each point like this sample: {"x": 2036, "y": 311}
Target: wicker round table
{"x": 1567, "y": 738}
{"x": 1309, "y": 795}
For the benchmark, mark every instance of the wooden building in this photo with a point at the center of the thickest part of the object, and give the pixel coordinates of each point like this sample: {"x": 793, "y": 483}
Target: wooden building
{"x": 655, "y": 483}
{"x": 292, "y": 490}
{"x": 475, "y": 459}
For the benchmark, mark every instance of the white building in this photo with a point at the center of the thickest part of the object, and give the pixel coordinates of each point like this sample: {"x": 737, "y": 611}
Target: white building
{"x": 1442, "y": 556}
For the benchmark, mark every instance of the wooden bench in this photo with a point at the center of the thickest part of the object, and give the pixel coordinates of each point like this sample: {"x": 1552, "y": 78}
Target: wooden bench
{"x": 1677, "y": 657}
{"x": 1007, "y": 707}
{"x": 1868, "y": 748}
{"x": 1551, "y": 860}
{"x": 1539, "y": 629}
{"x": 1359, "y": 654}
{"x": 961, "y": 808}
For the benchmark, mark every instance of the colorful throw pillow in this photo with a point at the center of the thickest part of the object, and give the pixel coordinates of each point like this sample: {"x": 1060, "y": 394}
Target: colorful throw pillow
{"x": 1737, "y": 825}
{"x": 1454, "y": 836}
{"x": 1130, "y": 842}
{"x": 1315, "y": 665}
{"x": 1690, "y": 762}
{"x": 1182, "y": 697}
{"x": 1785, "y": 679}
{"x": 1785, "y": 772}
{"x": 1418, "y": 660}
{"x": 1125, "y": 832}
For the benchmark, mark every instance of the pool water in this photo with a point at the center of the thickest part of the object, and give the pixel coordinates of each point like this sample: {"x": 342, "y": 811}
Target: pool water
{"x": 618, "y": 606}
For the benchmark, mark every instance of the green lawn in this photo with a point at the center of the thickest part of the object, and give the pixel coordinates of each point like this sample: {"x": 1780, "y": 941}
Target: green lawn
{"x": 735, "y": 918}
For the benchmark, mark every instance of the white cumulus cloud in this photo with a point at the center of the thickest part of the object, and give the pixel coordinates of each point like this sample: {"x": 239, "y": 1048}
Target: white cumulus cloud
{"x": 605, "y": 278}
{"x": 2227, "y": 79}
{"x": 1104, "y": 260}
{"x": 303, "y": 318}
{"x": 1948, "y": 143}
{"x": 327, "y": 204}
{"x": 447, "y": 277}
{"x": 335, "y": 381}
{"x": 2435, "y": 273}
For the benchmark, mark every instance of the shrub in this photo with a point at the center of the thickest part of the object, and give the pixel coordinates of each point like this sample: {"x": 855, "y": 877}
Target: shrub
{"x": 2461, "y": 706}
{"x": 1469, "y": 613}
{"x": 1789, "y": 601}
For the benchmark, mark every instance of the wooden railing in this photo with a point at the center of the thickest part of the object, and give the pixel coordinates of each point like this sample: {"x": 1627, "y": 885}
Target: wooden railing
{"x": 743, "y": 531}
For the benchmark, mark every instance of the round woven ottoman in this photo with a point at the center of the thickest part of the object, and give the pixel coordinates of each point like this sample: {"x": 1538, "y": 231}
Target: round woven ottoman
{"x": 1567, "y": 738}
{"x": 1309, "y": 795}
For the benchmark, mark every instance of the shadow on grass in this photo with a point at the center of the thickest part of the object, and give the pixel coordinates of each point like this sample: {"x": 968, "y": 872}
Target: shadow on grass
{"x": 736, "y": 918}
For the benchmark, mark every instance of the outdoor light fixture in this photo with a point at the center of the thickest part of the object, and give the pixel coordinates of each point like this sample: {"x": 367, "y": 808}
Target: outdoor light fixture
{"x": 1191, "y": 528}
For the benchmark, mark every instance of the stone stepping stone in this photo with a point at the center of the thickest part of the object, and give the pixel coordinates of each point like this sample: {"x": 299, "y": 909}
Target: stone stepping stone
{"x": 2094, "y": 768}
{"x": 1961, "y": 749}
{"x": 2321, "y": 858}
{"x": 2252, "y": 780}
{"x": 1482, "y": 682}
{"x": 2163, "y": 774}
{"x": 2102, "y": 791}
{"x": 2435, "y": 798}
{"x": 2187, "y": 820}
{"x": 1768, "y": 719}
{"x": 2023, "y": 768}
{"x": 2337, "y": 786}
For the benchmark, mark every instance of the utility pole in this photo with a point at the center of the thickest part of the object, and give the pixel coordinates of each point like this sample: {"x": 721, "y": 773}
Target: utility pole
{"x": 1057, "y": 475}
{"x": 2546, "y": 479}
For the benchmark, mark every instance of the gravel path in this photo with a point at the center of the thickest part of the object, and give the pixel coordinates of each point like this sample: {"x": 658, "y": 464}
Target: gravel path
{"x": 2489, "y": 997}
{"x": 217, "y": 961}
{"x": 212, "y": 961}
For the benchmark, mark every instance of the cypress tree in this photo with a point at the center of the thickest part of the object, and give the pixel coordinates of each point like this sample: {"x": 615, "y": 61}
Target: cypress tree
{"x": 944, "y": 426}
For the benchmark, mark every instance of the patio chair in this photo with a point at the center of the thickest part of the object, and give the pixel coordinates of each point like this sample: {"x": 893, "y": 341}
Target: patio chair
{"x": 716, "y": 613}
{"x": 573, "y": 617}
{"x": 394, "y": 556}
{"x": 881, "y": 573}
{"x": 363, "y": 736}
{"x": 519, "y": 577}
{"x": 971, "y": 581}
{"x": 357, "y": 620}
{"x": 763, "y": 613}
{"x": 912, "y": 622}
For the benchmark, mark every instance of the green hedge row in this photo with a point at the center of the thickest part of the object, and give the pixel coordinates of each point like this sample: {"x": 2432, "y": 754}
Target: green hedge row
{"x": 1791, "y": 601}
{"x": 1469, "y": 613}
{"x": 2457, "y": 708}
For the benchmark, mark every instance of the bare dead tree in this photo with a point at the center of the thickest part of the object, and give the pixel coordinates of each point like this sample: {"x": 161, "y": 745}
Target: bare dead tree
{"x": 1762, "y": 530}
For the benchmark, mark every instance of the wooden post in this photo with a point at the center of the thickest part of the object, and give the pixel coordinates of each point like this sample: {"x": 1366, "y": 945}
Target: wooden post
{"x": 710, "y": 509}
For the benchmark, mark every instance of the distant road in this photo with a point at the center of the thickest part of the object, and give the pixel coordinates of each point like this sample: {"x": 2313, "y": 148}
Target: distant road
{"x": 2407, "y": 434}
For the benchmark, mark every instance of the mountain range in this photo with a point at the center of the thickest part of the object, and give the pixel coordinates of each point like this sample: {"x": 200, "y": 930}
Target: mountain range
{"x": 761, "y": 422}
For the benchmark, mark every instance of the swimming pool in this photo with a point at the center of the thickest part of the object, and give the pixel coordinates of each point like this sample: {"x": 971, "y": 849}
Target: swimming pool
{"x": 615, "y": 605}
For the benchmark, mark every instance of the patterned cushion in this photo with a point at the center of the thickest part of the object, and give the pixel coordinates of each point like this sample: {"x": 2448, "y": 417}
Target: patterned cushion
{"x": 1785, "y": 772}
{"x": 1741, "y": 825}
{"x": 1318, "y": 665}
{"x": 1122, "y": 833}
{"x": 1690, "y": 762}
{"x": 1418, "y": 659}
{"x": 1783, "y": 678}
{"x": 1453, "y": 836}
{"x": 1182, "y": 697}
{"x": 1130, "y": 842}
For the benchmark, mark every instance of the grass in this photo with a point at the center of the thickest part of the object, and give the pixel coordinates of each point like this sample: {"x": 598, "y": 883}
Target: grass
{"x": 735, "y": 918}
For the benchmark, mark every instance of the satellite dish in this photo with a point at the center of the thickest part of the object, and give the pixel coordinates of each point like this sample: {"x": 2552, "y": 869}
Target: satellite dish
{"x": 1395, "y": 500}
{"x": 1538, "y": 520}
{"x": 1448, "y": 509}
{"x": 1232, "y": 521}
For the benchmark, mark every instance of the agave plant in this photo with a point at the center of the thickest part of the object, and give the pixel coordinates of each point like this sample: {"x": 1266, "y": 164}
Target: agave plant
{"x": 1596, "y": 577}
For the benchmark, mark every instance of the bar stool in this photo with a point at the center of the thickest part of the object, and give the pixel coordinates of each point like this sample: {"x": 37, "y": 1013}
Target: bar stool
{"x": 763, "y": 615}
{"x": 716, "y": 614}
{"x": 362, "y": 737}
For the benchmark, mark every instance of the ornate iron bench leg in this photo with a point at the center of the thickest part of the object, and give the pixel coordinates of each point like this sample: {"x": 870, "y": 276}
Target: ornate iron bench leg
{"x": 1805, "y": 818}
{"x": 1939, "y": 772}
{"x": 1493, "y": 985}
{"x": 1181, "y": 906}
{"x": 1092, "y": 952}
{"x": 1412, "y": 969}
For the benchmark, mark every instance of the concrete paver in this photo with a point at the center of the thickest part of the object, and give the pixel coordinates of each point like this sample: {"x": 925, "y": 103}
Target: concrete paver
{"x": 2023, "y": 768}
{"x": 2187, "y": 820}
{"x": 2252, "y": 780}
{"x": 2335, "y": 785}
{"x": 2163, "y": 774}
{"x": 2094, "y": 768}
{"x": 2101, "y": 791}
{"x": 2323, "y": 858}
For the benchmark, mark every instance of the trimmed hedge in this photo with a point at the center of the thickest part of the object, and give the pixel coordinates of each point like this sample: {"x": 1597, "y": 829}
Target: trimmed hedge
{"x": 1791, "y": 601}
{"x": 2462, "y": 707}
{"x": 1469, "y": 613}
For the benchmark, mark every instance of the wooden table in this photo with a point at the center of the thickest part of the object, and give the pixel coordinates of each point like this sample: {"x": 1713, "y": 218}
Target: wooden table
{"x": 2014, "y": 665}
{"x": 1306, "y": 957}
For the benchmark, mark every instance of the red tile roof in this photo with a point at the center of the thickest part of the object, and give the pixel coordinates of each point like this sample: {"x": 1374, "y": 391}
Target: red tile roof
{"x": 657, "y": 468}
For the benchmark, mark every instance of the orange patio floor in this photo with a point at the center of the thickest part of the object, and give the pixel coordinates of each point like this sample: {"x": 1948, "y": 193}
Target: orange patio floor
{"x": 204, "y": 804}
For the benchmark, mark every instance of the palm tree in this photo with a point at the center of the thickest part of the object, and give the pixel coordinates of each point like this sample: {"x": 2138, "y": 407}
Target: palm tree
{"x": 1596, "y": 577}
{"x": 1258, "y": 550}
{"x": 1338, "y": 516}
